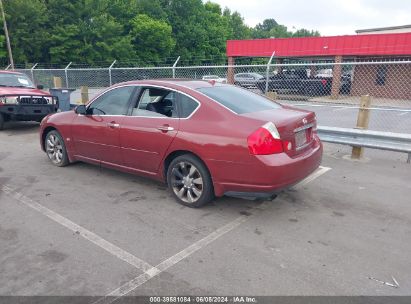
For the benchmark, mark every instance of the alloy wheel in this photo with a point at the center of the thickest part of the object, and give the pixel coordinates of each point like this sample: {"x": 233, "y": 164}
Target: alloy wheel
{"x": 54, "y": 149}
{"x": 187, "y": 182}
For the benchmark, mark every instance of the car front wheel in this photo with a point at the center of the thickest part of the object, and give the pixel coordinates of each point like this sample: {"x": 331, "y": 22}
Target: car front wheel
{"x": 190, "y": 181}
{"x": 55, "y": 149}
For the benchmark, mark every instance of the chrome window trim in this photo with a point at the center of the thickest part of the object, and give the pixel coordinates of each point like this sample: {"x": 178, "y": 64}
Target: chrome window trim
{"x": 151, "y": 86}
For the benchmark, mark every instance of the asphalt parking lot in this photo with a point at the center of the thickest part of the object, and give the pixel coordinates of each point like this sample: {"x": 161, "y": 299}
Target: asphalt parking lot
{"x": 85, "y": 230}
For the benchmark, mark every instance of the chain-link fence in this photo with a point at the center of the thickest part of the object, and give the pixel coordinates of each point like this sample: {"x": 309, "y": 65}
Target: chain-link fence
{"x": 332, "y": 90}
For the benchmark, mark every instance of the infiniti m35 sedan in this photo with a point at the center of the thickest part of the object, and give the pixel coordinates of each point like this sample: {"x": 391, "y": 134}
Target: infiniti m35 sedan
{"x": 202, "y": 138}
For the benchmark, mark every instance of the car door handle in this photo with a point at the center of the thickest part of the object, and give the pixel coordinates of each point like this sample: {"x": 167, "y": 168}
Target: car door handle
{"x": 113, "y": 125}
{"x": 165, "y": 128}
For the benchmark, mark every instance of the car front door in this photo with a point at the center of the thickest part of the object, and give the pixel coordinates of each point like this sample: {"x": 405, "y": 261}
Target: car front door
{"x": 96, "y": 135}
{"x": 149, "y": 130}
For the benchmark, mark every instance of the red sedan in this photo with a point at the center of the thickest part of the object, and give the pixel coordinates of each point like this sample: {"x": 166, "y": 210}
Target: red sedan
{"x": 203, "y": 139}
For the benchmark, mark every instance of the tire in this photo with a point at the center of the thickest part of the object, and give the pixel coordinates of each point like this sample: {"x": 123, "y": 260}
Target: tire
{"x": 56, "y": 149}
{"x": 189, "y": 181}
{"x": 2, "y": 119}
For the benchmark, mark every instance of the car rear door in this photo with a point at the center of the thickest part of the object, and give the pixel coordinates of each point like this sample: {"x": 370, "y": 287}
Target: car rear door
{"x": 96, "y": 135}
{"x": 149, "y": 129}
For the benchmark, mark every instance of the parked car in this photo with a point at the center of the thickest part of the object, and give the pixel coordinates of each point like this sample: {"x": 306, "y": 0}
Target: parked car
{"x": 198, "y": 137}
{"x": 20, "y": 100}
{"x": 247, "y": 80}
{"x": 345, "y": 86}
{"x": 216, "y": 78}
{"x": 296, "y": 82}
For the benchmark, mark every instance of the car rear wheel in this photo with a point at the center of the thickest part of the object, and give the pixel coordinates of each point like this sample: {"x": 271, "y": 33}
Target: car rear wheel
{"x": 189, "y": 181}
{"x": 55, "y": 149}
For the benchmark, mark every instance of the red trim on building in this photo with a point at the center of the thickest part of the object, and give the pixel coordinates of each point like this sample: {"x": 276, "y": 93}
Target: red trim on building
{"x": 352, "y": 45}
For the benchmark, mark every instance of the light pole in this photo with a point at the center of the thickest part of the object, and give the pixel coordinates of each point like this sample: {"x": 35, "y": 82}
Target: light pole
{"x": 6, "y": 33}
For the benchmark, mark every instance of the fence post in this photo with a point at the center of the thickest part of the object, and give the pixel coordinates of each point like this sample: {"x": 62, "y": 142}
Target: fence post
{"x": 84, "y": 94}
{"x": 230, "y": 70}
{"x": 32, "y": 72}
{"x": 109, "y": 72}
{"x": 362, "y": 123}
{"x": 267, "y": 74}
{"x": 174, "y": 67}
{"x": 65, "y": 72}
{"x": 57, "y": 82}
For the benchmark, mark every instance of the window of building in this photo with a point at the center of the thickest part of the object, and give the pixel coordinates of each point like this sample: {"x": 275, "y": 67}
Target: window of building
{"x": 381, "y": 75}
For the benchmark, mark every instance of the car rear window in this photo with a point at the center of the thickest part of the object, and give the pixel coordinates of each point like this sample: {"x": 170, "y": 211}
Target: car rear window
{"x": 239, "y": 100}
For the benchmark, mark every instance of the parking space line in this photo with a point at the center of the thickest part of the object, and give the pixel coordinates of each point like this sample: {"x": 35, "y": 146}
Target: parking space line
{"x": 81, "y": 231}
{"x": 143, "y": 278}
{"x": 320, "y": 171}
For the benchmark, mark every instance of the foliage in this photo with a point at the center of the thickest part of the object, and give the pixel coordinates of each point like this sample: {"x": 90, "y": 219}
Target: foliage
{"x": 144, "y": 31}
{"x": 151, "y": 38}
{"x": 269, "y": 28}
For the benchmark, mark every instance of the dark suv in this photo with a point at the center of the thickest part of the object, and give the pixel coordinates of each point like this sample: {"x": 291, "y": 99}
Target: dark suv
{"x": 20, "y": 100}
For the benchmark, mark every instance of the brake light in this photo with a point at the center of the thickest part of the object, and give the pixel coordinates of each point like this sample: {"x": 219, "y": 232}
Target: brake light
{"x": 324, "y": 82}
{"x": 266, "y": 140}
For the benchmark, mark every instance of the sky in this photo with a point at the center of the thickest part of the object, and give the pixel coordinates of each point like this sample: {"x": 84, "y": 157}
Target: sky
{"x": 329, "y": 17}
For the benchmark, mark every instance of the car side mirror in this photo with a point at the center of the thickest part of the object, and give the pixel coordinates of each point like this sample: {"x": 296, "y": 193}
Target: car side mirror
{"x": 81, "y": 109}
{"x": 40, "y": 86}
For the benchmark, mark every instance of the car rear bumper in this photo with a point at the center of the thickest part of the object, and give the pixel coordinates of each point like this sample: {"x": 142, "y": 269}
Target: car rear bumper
{"x": 27, "y": 112}
{"x": 269, "y": 174}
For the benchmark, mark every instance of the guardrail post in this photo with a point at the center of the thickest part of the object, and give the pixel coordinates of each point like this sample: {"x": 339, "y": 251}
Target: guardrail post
{"x": 109, "y": 72}
{"x": 267, "y": 72}
{"x": 84, "y": 94}
{"x": 362, "y": 123}
{"x": 174, "y": 67}
{"x": 57, "y": 82}
{"x": 32, "y": 71}
{"x": 66, "y": 74}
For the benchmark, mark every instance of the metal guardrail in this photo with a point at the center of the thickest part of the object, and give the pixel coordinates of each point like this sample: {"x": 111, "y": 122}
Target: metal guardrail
{"x": 365, "y": 138}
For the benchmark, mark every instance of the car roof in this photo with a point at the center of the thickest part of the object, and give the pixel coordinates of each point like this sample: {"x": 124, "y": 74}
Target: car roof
{"x": 10, "y": 72}
{"x": 193, "y": 84}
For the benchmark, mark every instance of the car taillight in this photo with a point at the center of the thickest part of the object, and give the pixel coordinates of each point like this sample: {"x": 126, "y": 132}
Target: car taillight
{"x": 324, "y": 82}
{"x": 266, "y": 140}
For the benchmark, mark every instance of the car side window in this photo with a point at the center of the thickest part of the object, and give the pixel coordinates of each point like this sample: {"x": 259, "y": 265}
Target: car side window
{"x": 114, "y": 102}
{"x": 156, "y": 102}
{"x": 187, "y": 106}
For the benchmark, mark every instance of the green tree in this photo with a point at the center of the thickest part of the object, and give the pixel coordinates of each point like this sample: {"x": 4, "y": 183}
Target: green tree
{"x": 236, "y": 26}
{"x": 26, "y": 21}
{"x": 306, "y": 33}
{"x": 87, "y": 32}
{"x": 152, "y": 39}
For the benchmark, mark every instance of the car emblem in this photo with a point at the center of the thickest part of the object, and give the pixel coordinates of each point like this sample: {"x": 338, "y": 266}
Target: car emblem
{"x": 304, "y": 120}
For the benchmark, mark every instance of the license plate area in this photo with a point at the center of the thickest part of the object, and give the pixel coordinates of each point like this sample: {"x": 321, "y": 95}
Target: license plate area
{"x": 301, "y": 139}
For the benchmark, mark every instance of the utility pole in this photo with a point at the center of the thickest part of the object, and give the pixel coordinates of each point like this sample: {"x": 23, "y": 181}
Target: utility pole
{"x": 6, "y": 33}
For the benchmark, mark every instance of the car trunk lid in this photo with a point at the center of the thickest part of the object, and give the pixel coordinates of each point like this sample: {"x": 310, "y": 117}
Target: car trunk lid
{"x": 294, "y": 125}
